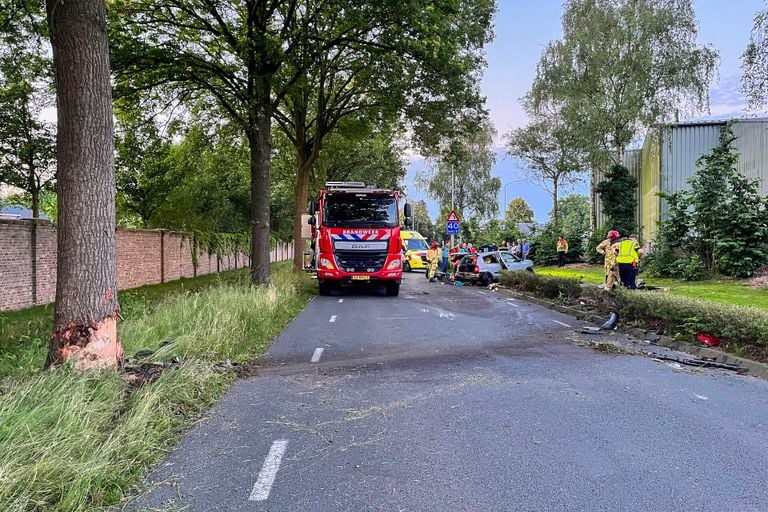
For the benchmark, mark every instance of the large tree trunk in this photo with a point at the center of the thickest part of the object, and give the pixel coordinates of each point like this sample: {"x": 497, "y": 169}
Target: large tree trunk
{"x": 592, "y": 200}
{"x": 260, "y": 151}
{"x": 304, "y": 163}
{"x": 85, "y": 320}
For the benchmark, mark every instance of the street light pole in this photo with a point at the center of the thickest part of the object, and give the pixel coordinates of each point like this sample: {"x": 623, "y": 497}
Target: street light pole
{"x": 506, "y": 204}
{"x": 453, "y": 186}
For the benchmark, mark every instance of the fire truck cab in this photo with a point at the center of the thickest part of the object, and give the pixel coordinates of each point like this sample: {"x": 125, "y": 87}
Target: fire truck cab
{"x": 356, "y": 236}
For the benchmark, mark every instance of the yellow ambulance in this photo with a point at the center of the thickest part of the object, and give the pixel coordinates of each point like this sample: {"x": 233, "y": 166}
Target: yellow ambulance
{"x": 414, "y": 251}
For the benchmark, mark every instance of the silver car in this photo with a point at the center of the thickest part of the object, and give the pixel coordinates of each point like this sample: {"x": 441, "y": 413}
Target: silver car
{"x": 485, "y": 267}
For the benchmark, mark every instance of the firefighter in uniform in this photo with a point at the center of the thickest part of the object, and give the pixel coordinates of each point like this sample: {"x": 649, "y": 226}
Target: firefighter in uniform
{"x": 433, "y": 258}
{"x": 627, "y": 256}
{"x": 606, "y": 249}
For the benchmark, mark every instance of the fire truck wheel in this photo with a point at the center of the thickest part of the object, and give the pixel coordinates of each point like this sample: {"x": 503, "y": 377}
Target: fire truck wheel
{"x": 325, "y": 288}
{"x": 393, "y": 289}
{"x": 406, "y": 266}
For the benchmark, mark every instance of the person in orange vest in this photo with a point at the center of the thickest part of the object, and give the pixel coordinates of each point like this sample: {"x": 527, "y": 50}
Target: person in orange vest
{"x": 562, "y": 250}
{"x": 609, "y": 264}
{"x": 627, "y": 256}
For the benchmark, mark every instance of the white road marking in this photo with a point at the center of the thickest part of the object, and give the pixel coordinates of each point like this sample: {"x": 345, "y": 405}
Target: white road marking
{"x": 513, "y": 304}
{"x": 701, "y": 397}
{"x": 263, "y": 485}
{"x": 561, "y": 323}
{"x": 333, "y": 318}
{"x": 317, "y": 354}
{"x": 341, "y": 300}
{"x": 482, "y": 293}
{"x": 510, "y": 298}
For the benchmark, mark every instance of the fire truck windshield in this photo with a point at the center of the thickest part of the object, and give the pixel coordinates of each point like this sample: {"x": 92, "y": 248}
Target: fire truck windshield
{"x": 342, "y": 210}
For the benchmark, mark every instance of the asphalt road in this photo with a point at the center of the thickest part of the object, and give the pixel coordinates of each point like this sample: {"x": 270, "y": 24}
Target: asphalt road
{"x": 457, "y": 399}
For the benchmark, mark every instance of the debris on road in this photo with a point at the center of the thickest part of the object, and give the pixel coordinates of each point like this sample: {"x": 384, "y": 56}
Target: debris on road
{"x": 708, "y": 339}
{"x": 699, "y": 362}
{"x": 610, "y": 324}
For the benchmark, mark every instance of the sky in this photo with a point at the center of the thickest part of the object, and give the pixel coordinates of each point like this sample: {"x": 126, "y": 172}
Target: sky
{"x": 523, "y": 28}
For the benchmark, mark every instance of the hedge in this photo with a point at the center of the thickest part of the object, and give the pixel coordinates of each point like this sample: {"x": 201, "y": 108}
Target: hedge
{"x": 684, "y": 316}
{"x": 668, "y": 314}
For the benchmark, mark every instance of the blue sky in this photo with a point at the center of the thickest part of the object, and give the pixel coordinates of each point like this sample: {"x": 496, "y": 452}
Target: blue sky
{"x": 523, "y": 27}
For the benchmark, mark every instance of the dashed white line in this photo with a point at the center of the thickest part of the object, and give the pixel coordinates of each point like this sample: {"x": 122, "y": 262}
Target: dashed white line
{"x": 561, "y": 323}
{"x": 333, "y": 318}
{"x": 513, "y": 304}
{"x": 341, "y": 300}
{"x": 481, "y": 293}
{"x": 317, "y": 354}
{"x": 263, "y": 485}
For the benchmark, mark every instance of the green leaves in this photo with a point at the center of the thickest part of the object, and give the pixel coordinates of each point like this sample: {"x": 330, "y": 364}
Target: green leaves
{"x": 620, "y": 67}
{"x": 720, "y": 223}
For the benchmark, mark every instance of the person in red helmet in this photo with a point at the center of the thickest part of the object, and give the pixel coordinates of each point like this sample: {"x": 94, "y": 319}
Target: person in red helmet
{"x": 610, "y": 267}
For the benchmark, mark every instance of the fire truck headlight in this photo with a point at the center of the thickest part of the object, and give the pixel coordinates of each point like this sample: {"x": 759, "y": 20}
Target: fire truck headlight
{"x": 327, "y": 264}
{"x": 394, "y": 264}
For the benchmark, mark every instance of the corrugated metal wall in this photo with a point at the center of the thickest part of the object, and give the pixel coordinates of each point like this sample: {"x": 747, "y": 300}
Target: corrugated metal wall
{"x": 668, "y": 160}
{"x": 752, "y": 144}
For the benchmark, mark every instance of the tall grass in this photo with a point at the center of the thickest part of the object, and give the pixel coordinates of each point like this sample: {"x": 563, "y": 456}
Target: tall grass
{"x": 76, "y": 441}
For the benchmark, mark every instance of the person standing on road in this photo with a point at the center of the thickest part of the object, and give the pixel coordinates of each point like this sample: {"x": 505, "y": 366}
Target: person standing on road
{"x": 433, "y": 257}
{"x": 609, "y": 259}
{"x": 627, "y": 257}
{"x": 446, "y": 254}
{"x": 562, "y": 250}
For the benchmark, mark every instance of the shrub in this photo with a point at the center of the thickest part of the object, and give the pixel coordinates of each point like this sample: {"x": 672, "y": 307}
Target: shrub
{"x": 542, "y": 286}
{"x": 558, "y": 287}
{"x": 681, "y": 315}
{"x": 520, "y": 281}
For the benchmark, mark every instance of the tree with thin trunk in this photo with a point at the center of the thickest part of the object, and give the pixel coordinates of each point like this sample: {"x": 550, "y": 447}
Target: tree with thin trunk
{"x": 460, "y": 174}
{"x": 85, "y": 319}
{"x": 27, "y": 145}
{"x": 546, "y": 148}
{"x": 623, "y": 66}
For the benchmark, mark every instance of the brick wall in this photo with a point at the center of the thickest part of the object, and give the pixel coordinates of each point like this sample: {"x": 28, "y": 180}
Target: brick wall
{"x": 143, "y": 257}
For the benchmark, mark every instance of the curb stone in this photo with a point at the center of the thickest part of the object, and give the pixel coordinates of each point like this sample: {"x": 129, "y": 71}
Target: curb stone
{"x": 754, "y": 368}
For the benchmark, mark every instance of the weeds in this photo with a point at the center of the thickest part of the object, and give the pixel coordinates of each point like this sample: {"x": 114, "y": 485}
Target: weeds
{"x": 74, "y": 441}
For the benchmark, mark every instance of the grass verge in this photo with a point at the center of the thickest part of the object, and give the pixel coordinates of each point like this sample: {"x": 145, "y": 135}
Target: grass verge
{"x": 74, "y": 442}
{"x": 744, "y": 330}
{"x": 724, "y": 291}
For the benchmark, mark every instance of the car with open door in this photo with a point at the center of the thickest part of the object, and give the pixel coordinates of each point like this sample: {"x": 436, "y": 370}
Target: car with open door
{"x": 485, "y": 268}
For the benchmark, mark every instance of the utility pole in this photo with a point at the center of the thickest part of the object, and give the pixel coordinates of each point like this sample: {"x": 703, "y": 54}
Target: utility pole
{"x": 453, "y": 186}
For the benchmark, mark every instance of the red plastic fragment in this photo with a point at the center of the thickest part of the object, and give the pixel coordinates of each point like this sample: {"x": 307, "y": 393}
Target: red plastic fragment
{"x": 708, "y": 339}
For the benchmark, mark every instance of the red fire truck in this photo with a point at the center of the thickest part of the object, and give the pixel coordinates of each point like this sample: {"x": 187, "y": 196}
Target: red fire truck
{"x": 356, "y": 236}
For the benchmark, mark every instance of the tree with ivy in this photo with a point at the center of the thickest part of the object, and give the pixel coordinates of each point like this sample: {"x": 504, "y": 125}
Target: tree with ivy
{"x": 618, "y": 194}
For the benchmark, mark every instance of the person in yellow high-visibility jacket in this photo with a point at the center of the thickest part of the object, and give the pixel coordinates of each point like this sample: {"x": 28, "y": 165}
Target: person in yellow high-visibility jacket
{"x": 627, "y": 255}
{"x": 433, "y": 257}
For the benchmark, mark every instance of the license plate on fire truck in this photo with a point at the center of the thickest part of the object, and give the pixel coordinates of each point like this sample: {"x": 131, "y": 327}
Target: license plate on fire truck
{"x": 361, "y": 278}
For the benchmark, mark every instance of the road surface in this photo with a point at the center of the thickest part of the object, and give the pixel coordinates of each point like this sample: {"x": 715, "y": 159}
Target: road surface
{"x": 459, "y": 399}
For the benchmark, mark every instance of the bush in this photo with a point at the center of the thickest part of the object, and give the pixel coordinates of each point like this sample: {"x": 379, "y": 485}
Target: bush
{"x": 544, "y": 246}
{"x": 520, "y": 281}
{"x": 683, "y": 316}
{"x": 542, "y": 286}
{"x": 558, "y": 287}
